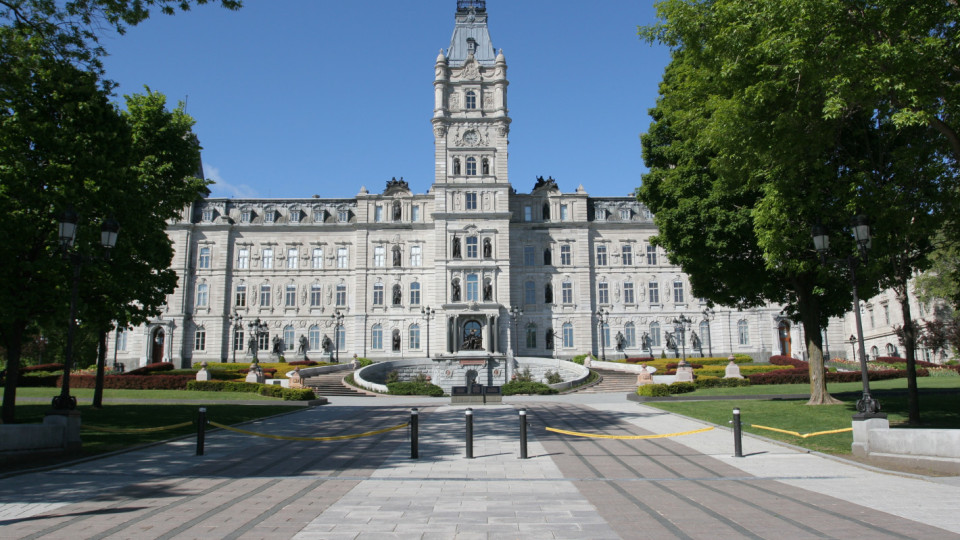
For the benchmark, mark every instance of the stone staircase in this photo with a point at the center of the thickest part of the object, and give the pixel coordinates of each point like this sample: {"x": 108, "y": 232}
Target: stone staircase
{"x": 613, "y": 381}
{"x": 331, "y": 384}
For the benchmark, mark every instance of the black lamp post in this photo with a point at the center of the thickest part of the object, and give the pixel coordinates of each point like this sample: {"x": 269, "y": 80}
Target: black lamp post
{"x": 708, "y": 316}
{"x": 427, "y": 313}
{"x": 68, "y": 234}
{"x": 337, "y": 323}
{"x": 237, "y": 321}
{"x": 680, "y": 327}
{"x": 257, "y": 328}
{"x": 853, "y": 347}
{"x": 602, "y": 315}
{"x": 867, "y": 406}
{"x": 515, "y": 314}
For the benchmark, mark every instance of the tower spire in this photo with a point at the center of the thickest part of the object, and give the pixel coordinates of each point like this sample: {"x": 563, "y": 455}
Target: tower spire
{"x": 470, "y": 35}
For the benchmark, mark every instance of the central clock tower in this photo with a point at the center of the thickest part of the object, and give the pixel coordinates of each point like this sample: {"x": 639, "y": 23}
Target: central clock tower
{"x": 471, "y": 187}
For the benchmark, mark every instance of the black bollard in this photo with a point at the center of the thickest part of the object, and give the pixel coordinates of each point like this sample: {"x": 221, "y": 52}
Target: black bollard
{"x": 469, "y": 414}
{"x": 737, "y": 443}
{"x": 523, "y": 434}
{"x": 414, "y": 433}
{"x": 201, "y": 429}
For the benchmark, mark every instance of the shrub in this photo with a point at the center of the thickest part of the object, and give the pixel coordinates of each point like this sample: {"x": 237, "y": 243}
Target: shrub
{"x": 412, "y": 388}
{"x": 132, "y": 382}
{"x": 302, "y": 363}
{"x": 39, "y": 379}
{"x": 654, "y": 390}
{"x": 919, "y": 363}
{"x": 639, "y": 360}
{"x": 707, "y": 381}
{"x": 801, "y": 376}
{"x": 780, "y": 360}
{"x": 673, "y": 365}
{"x": 553, "y": 377}
{"x": 518, "y": 386}
{"x": 298, "y": 394}
{"x": 224, "y": 386}
{"x": 523, "y": 376}
{"x": 943, "y": 372}
{"x": 41, "y": 367}
{"x": 150, "y": 368}
{"x": 393, "y": 377}
{"x": 364, "y": 362}
{"x": 682, "y": 387}
{"x": 270, "y": 390}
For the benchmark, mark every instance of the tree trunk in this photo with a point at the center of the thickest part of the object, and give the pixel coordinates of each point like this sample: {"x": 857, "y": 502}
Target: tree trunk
{"x": 910, "y": 347}
{"x": 13, "y": 341}
{"x": 809, "y": 307}
{"x": 101, "y": 363}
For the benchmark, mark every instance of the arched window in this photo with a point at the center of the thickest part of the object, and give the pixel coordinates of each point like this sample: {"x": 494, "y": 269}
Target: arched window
{"x": 456, "y": 165}
{"x": 531, "y": 336}
{"x": 485, "y": 166}
{"x": 288, "y": 336}
{"x": 471, "y": 166}
{"x": 376, "y": 337}
{"x": 891, "y": 350}
{"x": 471, "y": 101}
{"x": 414, "y": 337}
{"x": 630, "y": 335}
{"x": 313, "y": 336}
{"x": 654, "y": 334}
{"x": 203, "y": 295}
{"x": 874, "y": 352}
{"x": 743, "y": 332}
{"x": 567, "y": 330}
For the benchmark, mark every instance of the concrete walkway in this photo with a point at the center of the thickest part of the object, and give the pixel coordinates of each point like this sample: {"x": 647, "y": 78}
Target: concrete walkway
{"x": 570, "y": 487}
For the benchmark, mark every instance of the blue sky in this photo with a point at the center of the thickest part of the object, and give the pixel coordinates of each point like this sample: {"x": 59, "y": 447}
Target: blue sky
{"x": 300, "y": 97}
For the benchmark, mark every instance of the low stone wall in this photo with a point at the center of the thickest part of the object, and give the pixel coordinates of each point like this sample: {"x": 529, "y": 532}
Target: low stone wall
{"x": 572, "y": 373}
{"x": 313, "y": 371}
{"x": 935, "y": 449}
{"x": 57, "y": 432}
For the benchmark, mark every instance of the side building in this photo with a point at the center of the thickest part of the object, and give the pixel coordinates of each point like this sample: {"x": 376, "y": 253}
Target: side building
{"x": 397, "y": 274}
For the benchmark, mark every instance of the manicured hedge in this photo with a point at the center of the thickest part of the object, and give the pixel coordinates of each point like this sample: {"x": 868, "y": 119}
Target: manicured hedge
{"x": 654, "y": 390}
{"x": 414, "y": 388}
{"x": 920, "y": 363}
{"x": 41, "y": 367}
{"x": 132, "y": 382}
{"x": 515, "y": 387}
{"x": 224, "y": 386}
{"x": 298, "y": 394}
{"x": 707, "y": 381}
{"x": 800, "y": 376}
{"x": 150, "y": 368}
{"x": 682, "y": 387}
{"x": 41, "y": 380}
{"x": 303, "y": 363}
{"x": 780, "y": 360}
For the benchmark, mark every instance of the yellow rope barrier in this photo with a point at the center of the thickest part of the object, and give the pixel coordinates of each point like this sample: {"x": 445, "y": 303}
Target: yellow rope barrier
{"x": 141, "y": 430}
{"x": 286, "y": 438}
{"x": 803, "y": 435}
{"x": 631, "y": 437}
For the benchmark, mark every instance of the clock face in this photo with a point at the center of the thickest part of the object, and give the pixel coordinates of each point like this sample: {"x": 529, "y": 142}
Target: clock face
{"x": 471, "y": 138}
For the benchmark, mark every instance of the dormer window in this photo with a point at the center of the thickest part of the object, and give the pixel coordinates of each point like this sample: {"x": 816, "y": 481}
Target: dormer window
{"x": 471, "y": 99}
{"x": 318, "y": 216}
{"x": 268, "y": 216}
{"x": 625, "y": 214}
{"x": 246, "y": 216}
{"x": 343, "y": 216}
{"x": 294, "y": 216}
{"x": 207, "y": 215}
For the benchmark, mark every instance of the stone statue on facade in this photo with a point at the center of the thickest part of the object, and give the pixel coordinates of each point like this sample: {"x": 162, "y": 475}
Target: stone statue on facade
{"x": 252, "y": 346}
{"x": 621, "y": 341}
{"x": 277, "y": 345}
{"x": 646, "y": 342}
{"x": 487, "y": 248}
{"x": 455, "y": 291}
{"x": 456, "y": 248}
{"x": 550, "y": 335}
{"x": 472, "y": 342}
{"x": 304, "y": 344}
{"x": 327, "y": 344}
{"x": 487, "y": 292}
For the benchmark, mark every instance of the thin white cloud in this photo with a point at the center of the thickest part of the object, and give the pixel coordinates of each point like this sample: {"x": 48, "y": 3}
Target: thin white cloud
{"x": 222, "y": 188}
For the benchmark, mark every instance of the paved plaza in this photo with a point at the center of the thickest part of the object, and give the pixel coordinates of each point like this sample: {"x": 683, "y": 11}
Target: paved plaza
{"x": 687, "y": 486}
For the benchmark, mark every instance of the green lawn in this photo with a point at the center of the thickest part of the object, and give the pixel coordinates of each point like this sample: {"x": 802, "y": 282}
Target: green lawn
{"x": 936, "y": 411}
{"x": 85, "y": 395}
{"x": 892, "y": 384}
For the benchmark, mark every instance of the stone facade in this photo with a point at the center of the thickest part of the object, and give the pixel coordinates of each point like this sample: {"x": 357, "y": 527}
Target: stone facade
{"x": 470, "y": 248}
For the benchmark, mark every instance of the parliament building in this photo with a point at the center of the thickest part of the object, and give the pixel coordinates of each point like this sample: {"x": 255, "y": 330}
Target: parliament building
{"x": 394, "y": 274}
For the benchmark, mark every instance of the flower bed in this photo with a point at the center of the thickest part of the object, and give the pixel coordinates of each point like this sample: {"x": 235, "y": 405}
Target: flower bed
{"x": 799, "y": 376}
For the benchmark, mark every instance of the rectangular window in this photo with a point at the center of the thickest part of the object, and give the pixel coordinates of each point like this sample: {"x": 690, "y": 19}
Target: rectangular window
{"x": 238, "y": 339}
{"x": 378, "y": 294}
{"x": 565, "y": 255}
{"x": 471, "y": 198}
{"x": 379, "y": 256}
{"x": 318, "y": 216}
{"x": 415, "y": 294}
{"x": 245, "y": 216}
{"x": 378, "y": 213}
{"x": 603, "y": 293}
{"x": 566, "y": 290}
{"x": 204, "y": 260}
{"x": 530, "y": 292}
{"x": 121, "y": 339}
{"x": 415, "y": 213}
{"x": 568, "y": 336}
{"x": 267, "y": 258}
{"x": 416, "y": 257}
{"x": 528, "y": 256}
{"x": 207, "y": 214}
{"x": 243, "y": 258}
{"x": 263, "y": 341}
{"x": 203, "y": 295}
{"x": 290, "y": 296}
{"x": 241, "y": 296}
{"x": 743, "y": 333}
{"x": 472, "y": 247}
{"x": 414, "y": 337}
{"x": 564, "y": 212}
{"x": 628, "y": 293}
{"x": 265, "y": 295}
{"x": 626, "y": 254}
{"x": 652, "y": 255}
{"x": 886, "y": 313}
{"x": 293, "y": 254}
{"x": 341, "y": 257}
{"x": 341, "y": 295}
{"x": 200, "y": 339}
{"x": 316, "y": 260}
{"x": 677, "y": 292}
{"x": 528, "y": 213}
{"x": 343, "y": 216}
{"x": 654, "y": 292}
{"x": 316, "y": 292}
{"x": 269, "y": 216}
{"x": 473, "y": 288}
{"x": 625, "y": 215}
{"x": 601, "y": 255}
{"x": 376, "y": 337}
{"x": 294, "y": 216}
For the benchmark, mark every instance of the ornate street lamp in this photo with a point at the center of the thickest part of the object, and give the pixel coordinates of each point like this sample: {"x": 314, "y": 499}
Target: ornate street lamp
{"x": 602, "y": 315}
{"x": 257, "y": 328}
{"x": 708, "y": 316}
{"x": 68, "y": 234}
{"x": 427, "y": 313}
{"x": 337, "y": 323}
{"x": 867, "y": 406}
{"x": 680, "y": 327}
{"x": 515, "y": 314}
{"x": 237, "y": 321}
{"x": 853, "y": 347}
